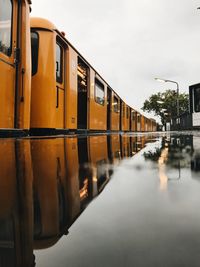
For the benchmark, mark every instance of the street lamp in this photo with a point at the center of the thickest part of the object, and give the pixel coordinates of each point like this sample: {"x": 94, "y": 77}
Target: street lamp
{"x": 177, "y": 88}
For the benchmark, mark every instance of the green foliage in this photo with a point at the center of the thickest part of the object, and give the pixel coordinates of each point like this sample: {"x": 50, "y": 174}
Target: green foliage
{"x": 164, "y": 104}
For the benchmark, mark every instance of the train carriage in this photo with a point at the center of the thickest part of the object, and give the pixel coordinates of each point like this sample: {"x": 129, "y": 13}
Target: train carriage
{"x": 15, "y": 65}
{"x": 54, "y": 79}
{"x": 72, "y": 95}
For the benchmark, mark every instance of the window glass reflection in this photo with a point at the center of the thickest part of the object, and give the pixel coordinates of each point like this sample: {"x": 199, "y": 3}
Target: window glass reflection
{"x": 5, "y": 26}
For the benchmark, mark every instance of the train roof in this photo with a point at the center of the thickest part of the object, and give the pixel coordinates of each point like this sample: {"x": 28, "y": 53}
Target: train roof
{"x": 41, "y": 23}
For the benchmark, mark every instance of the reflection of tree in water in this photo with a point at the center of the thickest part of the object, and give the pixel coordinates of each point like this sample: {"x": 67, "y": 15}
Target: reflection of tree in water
{"x": 179, "y": 151}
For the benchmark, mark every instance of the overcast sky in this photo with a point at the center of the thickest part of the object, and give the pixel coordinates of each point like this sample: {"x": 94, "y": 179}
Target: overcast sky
{"x": 129, "y": 42}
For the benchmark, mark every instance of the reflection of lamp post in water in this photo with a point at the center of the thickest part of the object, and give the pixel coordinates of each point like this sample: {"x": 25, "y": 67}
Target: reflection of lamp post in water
{"x": 177, "y": 100}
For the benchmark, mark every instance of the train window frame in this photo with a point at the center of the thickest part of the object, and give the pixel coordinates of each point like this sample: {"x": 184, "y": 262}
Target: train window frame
{"x": 35, "y": 69}
{"x": 59, "y": 78}
{"x": 9, "y": 49}
{"x": 116, "y": 106}
{"x": 100, "y": 86}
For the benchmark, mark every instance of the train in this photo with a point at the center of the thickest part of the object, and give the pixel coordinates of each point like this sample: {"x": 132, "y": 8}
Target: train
{"x": 48, "y": 87}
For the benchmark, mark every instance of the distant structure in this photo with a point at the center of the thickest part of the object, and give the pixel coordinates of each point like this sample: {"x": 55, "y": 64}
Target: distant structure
{"x": 194, "y": 92}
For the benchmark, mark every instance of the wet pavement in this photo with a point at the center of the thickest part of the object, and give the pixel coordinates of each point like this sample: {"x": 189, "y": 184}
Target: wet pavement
{"x": 106, "y": 200}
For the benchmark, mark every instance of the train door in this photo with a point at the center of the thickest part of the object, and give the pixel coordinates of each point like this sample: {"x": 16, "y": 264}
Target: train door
{"x": 60, "y": 85}
{"x": 8, "y": 34}
{"x": 109, "y": 95}
{"x": 82, "y": 103}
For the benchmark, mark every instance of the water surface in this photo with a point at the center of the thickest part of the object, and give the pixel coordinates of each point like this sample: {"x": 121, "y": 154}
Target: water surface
{"x": 116, "y": 200}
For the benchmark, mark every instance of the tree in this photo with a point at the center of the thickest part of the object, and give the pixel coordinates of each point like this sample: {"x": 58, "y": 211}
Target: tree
{"x": 164, "y": 104}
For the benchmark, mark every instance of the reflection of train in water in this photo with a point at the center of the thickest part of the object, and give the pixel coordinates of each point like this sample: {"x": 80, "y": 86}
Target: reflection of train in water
{"x": 63, "y": 93}
{"x": 46, "y": 184}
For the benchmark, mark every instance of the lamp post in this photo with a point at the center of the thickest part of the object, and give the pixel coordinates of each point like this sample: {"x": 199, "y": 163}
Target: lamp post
{"x": 177, "y": 89}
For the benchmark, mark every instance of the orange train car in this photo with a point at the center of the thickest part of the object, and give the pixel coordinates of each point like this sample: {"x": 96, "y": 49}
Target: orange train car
{"x": 15, "y": 66}
{"x": 79, "y": 98}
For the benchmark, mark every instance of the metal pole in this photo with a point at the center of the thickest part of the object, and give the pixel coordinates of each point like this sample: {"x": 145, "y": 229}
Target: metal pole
{"x": 177, "y": 100}
{"x": 178, "y": 110}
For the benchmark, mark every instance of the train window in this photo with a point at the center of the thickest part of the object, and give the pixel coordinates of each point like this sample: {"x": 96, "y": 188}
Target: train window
{"x": 197, "y": 100}
{"x": 6, "y": 27}
{"x": 116, "y": 104}
{"x": 99, "y": 92}
{"x": 59, "y": 63}
{"x": 34, "y": 51}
